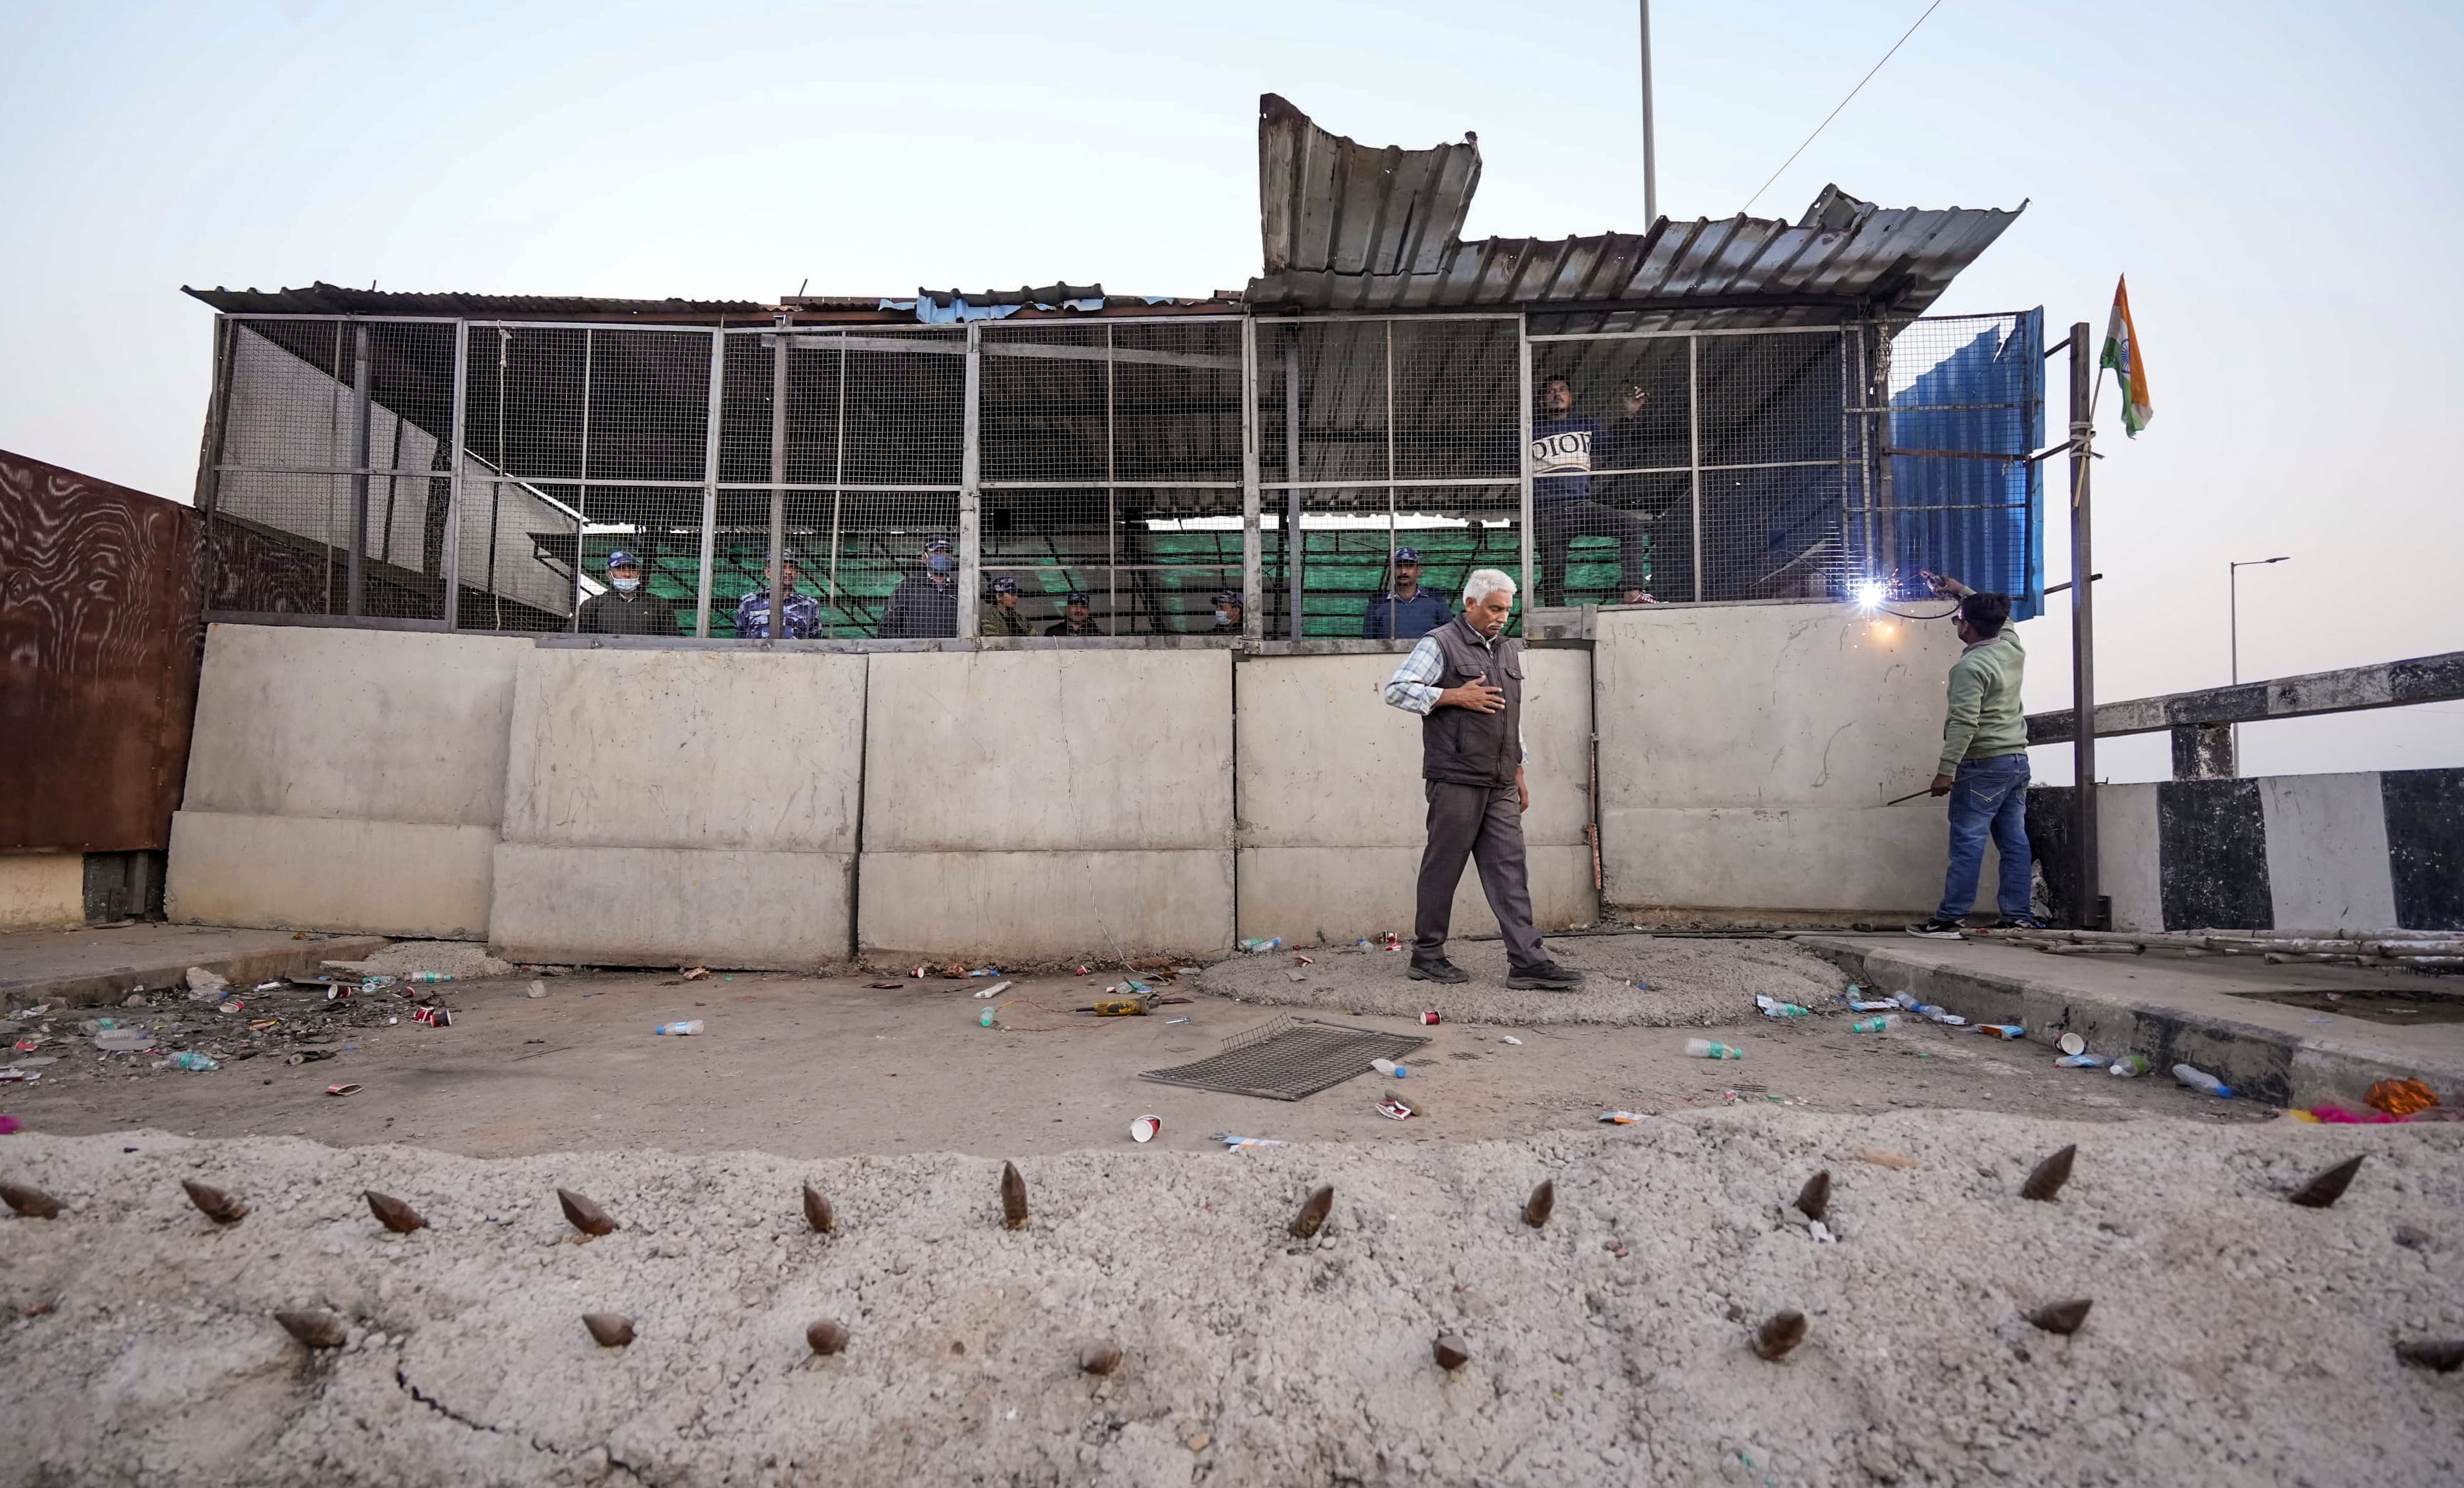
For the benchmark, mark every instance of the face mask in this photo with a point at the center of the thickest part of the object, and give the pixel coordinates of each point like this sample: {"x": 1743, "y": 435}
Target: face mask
{"x": 938, "y": 563}
{"x": 1224, "y": 616}
{"x": 626, "y": 585}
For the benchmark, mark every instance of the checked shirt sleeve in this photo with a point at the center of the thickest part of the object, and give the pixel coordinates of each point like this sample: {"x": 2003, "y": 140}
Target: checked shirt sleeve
{"x": 1413, "y": 687}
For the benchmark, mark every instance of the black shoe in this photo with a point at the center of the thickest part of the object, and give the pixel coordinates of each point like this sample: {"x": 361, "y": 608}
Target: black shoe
{"x": 2023, "y": 922}
{"x": 1437, "y": 971}
{"x": 1547, "y": 977}
{"x": 1940, "y": 930}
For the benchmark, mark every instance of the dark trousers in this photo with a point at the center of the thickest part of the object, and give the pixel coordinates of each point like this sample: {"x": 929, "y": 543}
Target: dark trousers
{"x": 1486, "y": 825}
{"x": 1556, "y": 526}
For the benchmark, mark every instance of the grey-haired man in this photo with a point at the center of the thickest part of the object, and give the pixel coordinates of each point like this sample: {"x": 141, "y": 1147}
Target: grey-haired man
{"x": 1466, "y": 681}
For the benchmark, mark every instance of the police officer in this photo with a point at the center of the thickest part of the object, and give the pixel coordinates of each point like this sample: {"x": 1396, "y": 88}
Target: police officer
{"x": 925, "y": 604}
{"x": 1004, "y": 619}
{"x": 1227, "y": 613}
{"x": 1405, "y": 611}
{"x": 1075, "y": 613}
{"x": 804, "y": 612}
{"x": 626, "y": 608}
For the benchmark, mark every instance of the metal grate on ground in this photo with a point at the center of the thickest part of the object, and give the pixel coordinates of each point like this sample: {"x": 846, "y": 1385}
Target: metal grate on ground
{"x": 1288, "y": 1059}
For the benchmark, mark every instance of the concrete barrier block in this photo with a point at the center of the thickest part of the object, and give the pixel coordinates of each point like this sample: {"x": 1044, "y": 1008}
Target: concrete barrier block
{"x": 995, "y": 752}
{"x": 379, "y": 725}
{"x": 1325, "y": 763}
{"x": 757, "y": 751}
{"x": 1038, "y": 906}
{"x": 1885, "y": 861}
{"x": 1337, "y": 895}
{"x": 672, "y": 907}
{"x": 329, "y": 873}
{"x": 1767, "y": 705}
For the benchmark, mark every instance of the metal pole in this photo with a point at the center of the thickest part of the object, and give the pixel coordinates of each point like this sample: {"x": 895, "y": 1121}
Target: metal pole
{"x": 1389, "y": 480}
{"x": 838, "y": 473}
{"x": 1694, "y": 451}
{"x": 356, "y": 582}
{"x": 451, "y": 566}
{"x": 1112, "y": 502}
{"x": 582, "y": 489}
{"x": 778, "y": 482}
{"x": 1295, "y": 556}
{"x": 1650, "y": 154}
{"x": 2232, "y": 625}
{"x": 710, "y": 482}
{"x": 1253, "y": 565}
{"x": 971, "y": 546}
{"x": 2088, "y": 911}
{"x": 1523, "y": 519}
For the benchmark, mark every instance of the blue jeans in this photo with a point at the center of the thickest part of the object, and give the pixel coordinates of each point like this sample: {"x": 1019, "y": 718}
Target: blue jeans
{"x": 1987, "y": 795}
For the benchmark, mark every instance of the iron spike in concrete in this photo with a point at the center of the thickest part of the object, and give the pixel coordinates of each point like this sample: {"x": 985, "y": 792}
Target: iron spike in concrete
{"x": 1099, "y": 1359}
{"x": 1313, "y": 1213}
{"x": 2062, "y": 1317}
{"x": 1013, "y": 1190}
{"x": 31, "y": 1202}
{"x": 826, "y": 1336}
{"x": 2328, "y": 1187}
{"x": 1782, "y": 1333}
{"x": 818, "y": 1212}
{"x": 612, "y": 1329}
{"x": 393, "y": 1214}
{"x": 217, "y": 1206}
{"x": 586, "y": 1217}
{"x": 315, "y": 1327}
{"x": 2049, "y": 1175}
{"x": 1542, "y": 1204}
{"x": 1813, "y": 1200}
{"x": 1451, "y": 1354}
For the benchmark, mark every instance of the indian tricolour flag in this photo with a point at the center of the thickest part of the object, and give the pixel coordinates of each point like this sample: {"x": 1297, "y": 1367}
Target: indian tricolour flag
{"x": 2121, "y": 354}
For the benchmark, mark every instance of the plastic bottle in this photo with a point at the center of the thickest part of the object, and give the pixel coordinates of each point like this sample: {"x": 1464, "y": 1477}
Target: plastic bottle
{"x": 1390, "y": 1067}
{"x": 986, "y": 1020}
{"x": 123, "y": 1040}
{"x": 1874, "y": 1025}
{"x": 1773, "y": 1007}
{"x": 1253, "y": 947}
{"x": 2200, "y": 1080}
{"x": 2080, "y": 1062}
{"x": 430, "y": 976}
{"x": 691, "y": 1025}
{"x": 195, "y": 1061}
{"x": 2127, "y": 1065}
{"x": 1705, "y": 1049}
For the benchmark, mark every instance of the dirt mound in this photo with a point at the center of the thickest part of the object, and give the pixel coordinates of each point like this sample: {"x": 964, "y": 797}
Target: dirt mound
{"x": 1685, "y": 983}
{"x": 2235, "y": 1337}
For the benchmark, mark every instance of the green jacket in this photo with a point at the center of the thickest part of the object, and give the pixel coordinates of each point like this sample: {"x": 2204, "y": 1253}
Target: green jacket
{"x": 1984, "y": 719}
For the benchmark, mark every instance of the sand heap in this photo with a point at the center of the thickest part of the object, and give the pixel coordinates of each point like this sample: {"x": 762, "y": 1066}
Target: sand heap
{"x": 2235, "y": 1337}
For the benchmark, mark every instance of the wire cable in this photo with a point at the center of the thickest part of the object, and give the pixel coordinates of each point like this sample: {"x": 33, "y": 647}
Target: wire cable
{"x": 1835, "y": 113}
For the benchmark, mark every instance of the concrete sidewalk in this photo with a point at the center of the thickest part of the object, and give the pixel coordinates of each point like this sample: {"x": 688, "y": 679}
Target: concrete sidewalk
{"x": 94, "y": 968}
{"x": 2216, "y": 1012}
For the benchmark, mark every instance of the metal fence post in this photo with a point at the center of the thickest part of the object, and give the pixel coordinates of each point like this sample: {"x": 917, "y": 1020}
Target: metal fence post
{"x": 1253, "y": 563}
{"x": 355, "y": 586}
{"x": 1694, "y": 453}
{"x": 710, "y": 482}
{"x": 971, "y": 495}
{"x": 1522, "y": 392}
{"x": 2089, "y": 911}
{"x": 209, "y": 453}
{"x": 1295, "y": 553}
{"x": 778, "y": 481}
{"x": 450, "y": 564}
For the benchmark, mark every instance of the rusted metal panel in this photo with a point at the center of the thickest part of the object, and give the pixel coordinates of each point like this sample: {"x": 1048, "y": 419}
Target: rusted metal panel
{"x": 100, "y": 637}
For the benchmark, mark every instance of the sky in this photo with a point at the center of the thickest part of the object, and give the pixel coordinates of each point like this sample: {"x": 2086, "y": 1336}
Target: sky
{"x": 2281, "y": 182}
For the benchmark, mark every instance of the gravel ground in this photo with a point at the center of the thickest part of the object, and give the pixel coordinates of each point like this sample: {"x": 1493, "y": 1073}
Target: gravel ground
{"x": 2234, "y": 1338}
{"x": 1688, "y": 983}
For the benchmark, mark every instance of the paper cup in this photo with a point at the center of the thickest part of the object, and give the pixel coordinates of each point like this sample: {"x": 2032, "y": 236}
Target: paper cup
{"x": 1145, "y": 1128}
{"x": 2073, "y": 1044}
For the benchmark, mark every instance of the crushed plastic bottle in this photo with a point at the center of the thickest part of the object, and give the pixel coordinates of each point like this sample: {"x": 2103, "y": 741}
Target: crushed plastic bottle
{"x": 1253, "y": 947}
{"x": 123, "y": 1040}
{"x": 2126, "y": 1066}
{"x": 1705, "y": 1049}
{"x": 1774, "y": 1008}
{"x": 428, "y": 976}
{"x": 1933, "y": 1014}
{"x": 2200, "y": 1080}
{"x": 691, "y": 1025}
{"x": 1390, "y": 1067}
{"x": 2080, "y": 1062}
{"x": 199, "y": 1063}
{"x": 1874, "y": 1025}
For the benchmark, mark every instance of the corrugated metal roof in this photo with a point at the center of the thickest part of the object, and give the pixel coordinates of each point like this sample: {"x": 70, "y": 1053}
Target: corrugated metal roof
{"x": 1350, "y": 229}
{"x": 332, "y": 300}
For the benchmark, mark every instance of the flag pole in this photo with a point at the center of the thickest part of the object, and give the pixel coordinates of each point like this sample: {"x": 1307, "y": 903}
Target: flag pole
{"x": 2089, "y": 909}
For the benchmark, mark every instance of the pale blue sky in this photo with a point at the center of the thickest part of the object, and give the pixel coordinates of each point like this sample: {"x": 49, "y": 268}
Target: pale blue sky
{"x": 2280, "y": 182}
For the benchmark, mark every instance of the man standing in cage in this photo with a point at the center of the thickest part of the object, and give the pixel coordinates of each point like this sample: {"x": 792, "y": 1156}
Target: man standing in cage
{"x": 925, "y": 605}
{"x": 1466, "y": 681}
{"x": 1004, "y": 617}
{"x": 1405, "y": 611}
{"x": 626, "y": 608}
{"x": 1076, "y": 617}
{"x": 804, "y": 613}
{"x": 1227, "y": 613}
{"x": 1983, "y": 764}
{"x": 1566, "y": 447}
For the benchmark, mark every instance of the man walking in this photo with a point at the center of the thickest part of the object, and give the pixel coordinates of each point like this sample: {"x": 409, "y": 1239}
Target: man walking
{"x": 1983, "y": 764}
{"x": 1466, "y": 683}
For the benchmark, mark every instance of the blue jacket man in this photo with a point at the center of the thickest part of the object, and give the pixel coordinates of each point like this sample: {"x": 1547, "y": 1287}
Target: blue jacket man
{"x": 804, "y": 611}
{"x": 1405, "y": 611}
{"x": 926, "y": 604}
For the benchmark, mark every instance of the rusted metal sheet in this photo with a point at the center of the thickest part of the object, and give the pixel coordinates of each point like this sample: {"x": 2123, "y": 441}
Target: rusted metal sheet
{"x": 100, "y": 638}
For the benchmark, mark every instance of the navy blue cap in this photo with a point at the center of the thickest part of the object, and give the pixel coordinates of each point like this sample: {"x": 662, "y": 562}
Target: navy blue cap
{"x": 1227, "y": 597}
{"x": 1004, "y": 585}
{"x": 619, "y": 559}
{"x": 936, "y": 544}
{"x": 1078, "y": 596}
{"x": 1407, "y": 555}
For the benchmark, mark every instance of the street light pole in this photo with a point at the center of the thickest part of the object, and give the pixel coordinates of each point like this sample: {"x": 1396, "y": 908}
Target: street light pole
{"x": 1650, "y": 160}
{"x": 2233, "y": 627}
